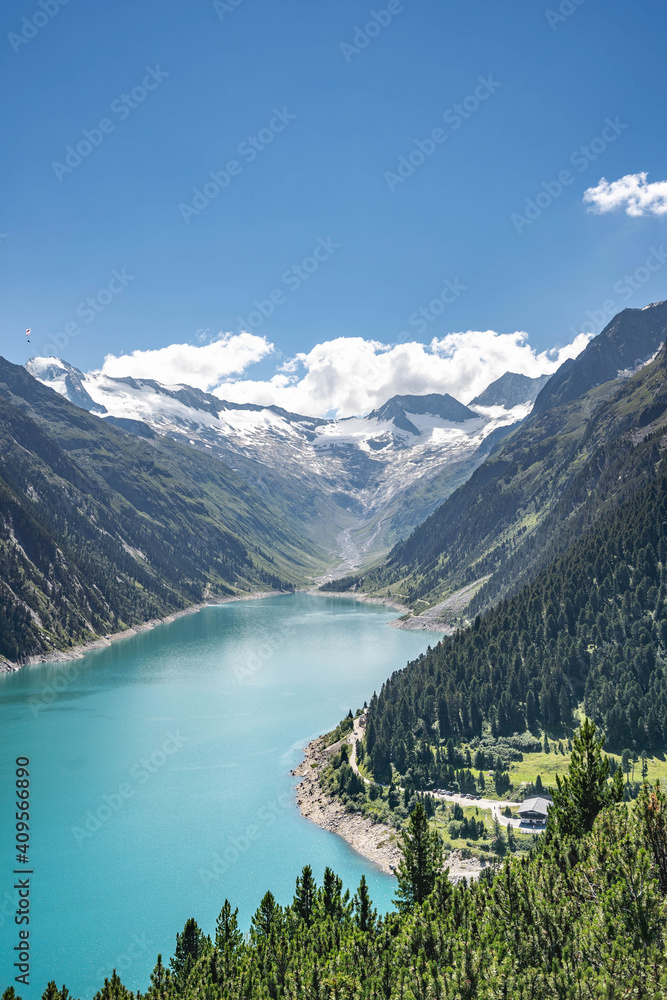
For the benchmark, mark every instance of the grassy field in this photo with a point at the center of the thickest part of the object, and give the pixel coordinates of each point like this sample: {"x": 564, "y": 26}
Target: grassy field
{"x": 482, "y": 848}
{"x": 548, "y": 765}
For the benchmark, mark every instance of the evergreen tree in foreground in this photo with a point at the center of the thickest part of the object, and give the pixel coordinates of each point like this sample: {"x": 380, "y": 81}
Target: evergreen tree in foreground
{"x": 113, "y": 989}
{"x": 421, "y": 863}
{"x": 652, "y": 813}
{"x": 306, "y": 895}
{"x": 228, "y": 942}
{"x": 366, "y": 915}
{"x": 584, "y": 791}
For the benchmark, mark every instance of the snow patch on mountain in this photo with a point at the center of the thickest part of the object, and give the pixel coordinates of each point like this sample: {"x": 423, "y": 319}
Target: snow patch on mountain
{"x": 639, "y": 364}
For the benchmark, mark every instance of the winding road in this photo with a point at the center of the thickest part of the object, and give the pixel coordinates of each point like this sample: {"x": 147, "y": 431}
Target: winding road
{"x": 492, "y": 805}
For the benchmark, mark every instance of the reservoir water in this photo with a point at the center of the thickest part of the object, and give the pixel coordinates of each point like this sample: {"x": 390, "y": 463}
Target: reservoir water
{"x": 160, "y": 778}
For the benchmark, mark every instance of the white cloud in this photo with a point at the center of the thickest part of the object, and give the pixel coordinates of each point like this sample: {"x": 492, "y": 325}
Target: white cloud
{"x": 347, "y": 376}
{"x": 350, "y": 376}
{"x": 202, "y": 367}
{"x": 632, "y": 193}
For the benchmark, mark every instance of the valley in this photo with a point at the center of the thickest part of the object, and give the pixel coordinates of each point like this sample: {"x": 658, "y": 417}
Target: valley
{"x": 191, "y": 498}
{"x": 538, "y": 560}
{"x": 474, "y": 499}
{"x": 375, "y": 477}
{"x": 333, "y": 502}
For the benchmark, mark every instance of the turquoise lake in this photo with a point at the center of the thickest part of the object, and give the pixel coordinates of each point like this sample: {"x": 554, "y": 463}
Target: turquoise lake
{"x": 160, "y": 778}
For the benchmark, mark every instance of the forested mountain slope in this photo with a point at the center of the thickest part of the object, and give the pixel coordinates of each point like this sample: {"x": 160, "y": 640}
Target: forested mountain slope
{"x": 100, "y": 529}
{"x": 538, "y": 490}
{"x": 590, "y": 629}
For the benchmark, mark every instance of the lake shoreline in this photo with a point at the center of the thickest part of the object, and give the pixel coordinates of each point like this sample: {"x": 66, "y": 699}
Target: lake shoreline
{"x": 375, "y": 842}
{"x": 82, "y": 649}
{"x": 409, "y": 621}
{"x": 202, "y": 719}
{"x": 360, "y": 596}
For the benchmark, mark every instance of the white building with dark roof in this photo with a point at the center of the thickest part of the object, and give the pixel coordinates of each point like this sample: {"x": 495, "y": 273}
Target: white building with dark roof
{"x": 535, "y": 810}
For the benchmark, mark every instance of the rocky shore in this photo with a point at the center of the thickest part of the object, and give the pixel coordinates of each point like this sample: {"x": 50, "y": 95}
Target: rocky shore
{"x": 376, "y": 842}
{"x": 358, "y": 595}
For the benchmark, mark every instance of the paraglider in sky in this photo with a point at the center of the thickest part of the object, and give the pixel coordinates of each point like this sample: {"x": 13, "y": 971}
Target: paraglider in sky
{"x": 27, "y": 333}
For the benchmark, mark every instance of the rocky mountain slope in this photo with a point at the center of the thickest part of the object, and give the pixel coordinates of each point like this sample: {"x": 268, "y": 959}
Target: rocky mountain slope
{"x": 511, "y": 390}
{"x": 581, "y": 451}
{"x": 630, "y": 340}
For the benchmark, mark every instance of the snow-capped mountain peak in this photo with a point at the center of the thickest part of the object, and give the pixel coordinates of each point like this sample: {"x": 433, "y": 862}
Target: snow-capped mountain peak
{"x": 366, "y": 464}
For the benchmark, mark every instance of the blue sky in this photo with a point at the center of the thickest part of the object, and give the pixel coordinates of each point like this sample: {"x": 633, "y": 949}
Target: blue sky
{"x": 338, "y": 121}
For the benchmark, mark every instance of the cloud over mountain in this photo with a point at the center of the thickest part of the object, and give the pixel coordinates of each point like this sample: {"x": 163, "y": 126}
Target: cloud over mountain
{"x": 347, "y": 375}
{"x": 200, "y": 366}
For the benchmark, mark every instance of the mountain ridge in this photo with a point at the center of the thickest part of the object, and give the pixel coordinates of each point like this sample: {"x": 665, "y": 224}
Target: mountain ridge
{"x": 189, "y": 465}
{"x": 628, "y": 341}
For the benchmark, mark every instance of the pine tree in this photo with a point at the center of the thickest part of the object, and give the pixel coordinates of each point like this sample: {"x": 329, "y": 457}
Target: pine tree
{"x": 159, "y": 981}
{"x": 584, "y": 791}
{"x": 113, "y": 989}
{"x": 331, "y": 895}
{"x": 626, "y": 757}
{"x": 189, "y": 946}
{"x": 365, "y": 915}
{"x": 421, "y": 863}
{"x": 227, "y": 932}
{"x": 306, "y": 895}
{"x": 652, "y": 813}
{"x": 228, "y": 940}
{"x": 265, "y": 918}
